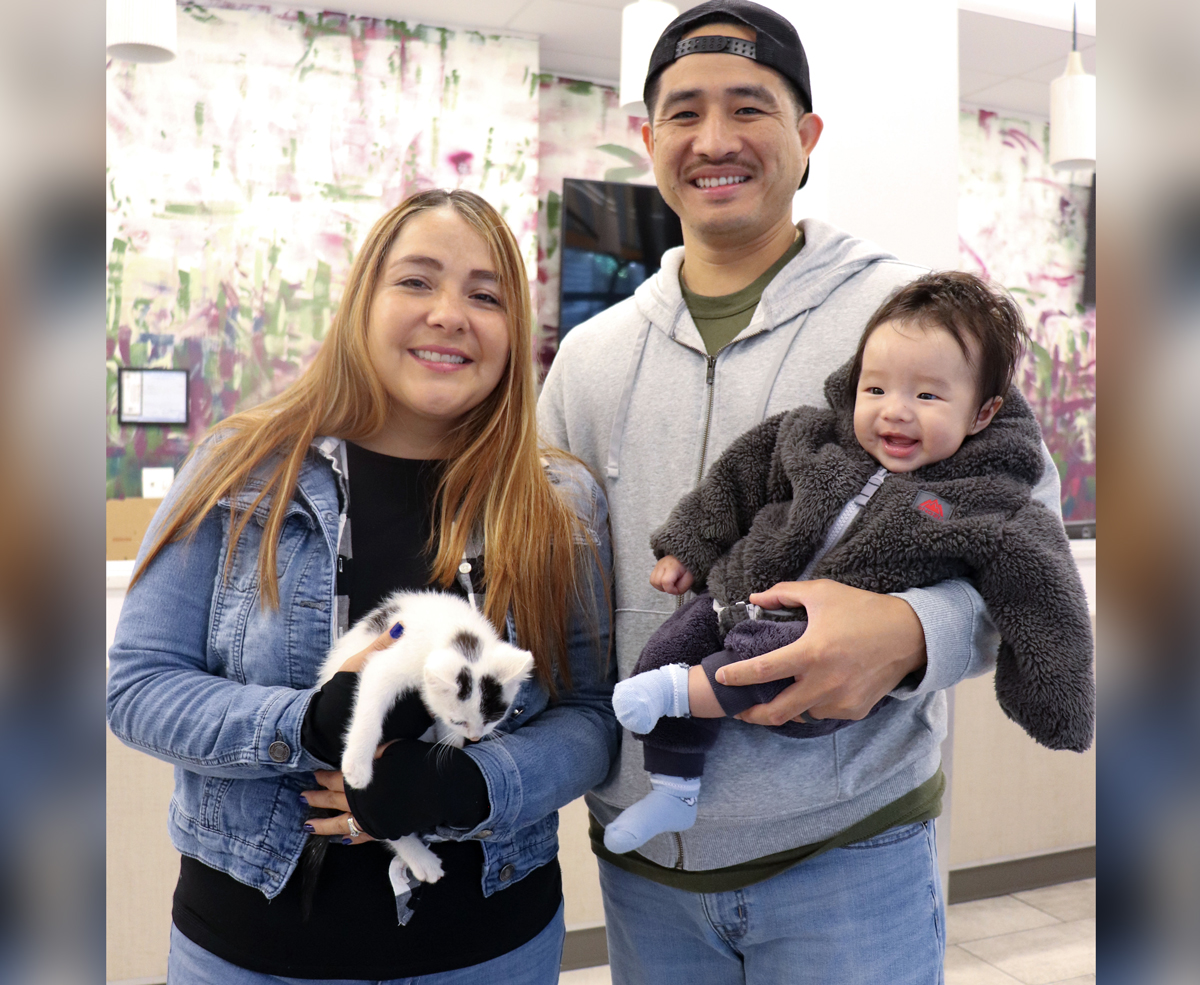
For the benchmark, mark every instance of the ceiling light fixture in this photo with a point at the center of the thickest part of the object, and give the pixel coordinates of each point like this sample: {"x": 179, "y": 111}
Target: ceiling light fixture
{"x": 141, "y": 30}
{"x": 641, "y": 25}
{"x": 1073, "y": 114}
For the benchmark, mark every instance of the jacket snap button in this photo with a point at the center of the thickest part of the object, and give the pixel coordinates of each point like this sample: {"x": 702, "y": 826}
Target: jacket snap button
{"x": 485, "y": 833}
{"x": 280, "y": 752}
{"x": 507, "y": 872}
{"x": 465, "y": 567}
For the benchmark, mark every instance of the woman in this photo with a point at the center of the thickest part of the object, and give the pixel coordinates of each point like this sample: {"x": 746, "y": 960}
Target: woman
{"x": 413, "y": 431}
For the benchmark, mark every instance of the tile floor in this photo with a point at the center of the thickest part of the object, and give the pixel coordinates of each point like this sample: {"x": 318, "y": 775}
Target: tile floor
{"x": 1041, "y": 937}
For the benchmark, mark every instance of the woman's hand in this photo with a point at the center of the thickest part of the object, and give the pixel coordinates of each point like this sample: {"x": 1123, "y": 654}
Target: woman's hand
{"x": 381, "y": 642}
{"x": 332, "y": 796}
{"x": 670, "y": 576}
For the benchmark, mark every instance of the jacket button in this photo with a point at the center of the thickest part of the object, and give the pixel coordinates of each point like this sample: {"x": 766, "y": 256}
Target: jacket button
{"x": 507, "y": 872}
{"x": 485, "y": 833}
{"x": 280, "y": 752}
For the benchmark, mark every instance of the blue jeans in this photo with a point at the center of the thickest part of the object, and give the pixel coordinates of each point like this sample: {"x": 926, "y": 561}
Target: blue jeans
{"x": 535, "y": 963}
{"x": 869, "y": 912}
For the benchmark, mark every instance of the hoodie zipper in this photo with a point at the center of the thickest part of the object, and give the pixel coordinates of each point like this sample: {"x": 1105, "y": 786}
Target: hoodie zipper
{"x": 709, "y": 376}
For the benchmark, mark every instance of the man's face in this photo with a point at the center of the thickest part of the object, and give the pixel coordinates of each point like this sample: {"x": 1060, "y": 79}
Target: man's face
{"x": 727, "y": 148}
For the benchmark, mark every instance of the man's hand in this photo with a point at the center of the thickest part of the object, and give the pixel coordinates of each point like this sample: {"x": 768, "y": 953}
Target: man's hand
{"x": 670, "y": 576}
{"x": 857, "y": 648}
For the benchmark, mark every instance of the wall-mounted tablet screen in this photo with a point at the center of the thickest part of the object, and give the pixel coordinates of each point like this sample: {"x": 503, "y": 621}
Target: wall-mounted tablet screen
{"x": 152, "y": 396}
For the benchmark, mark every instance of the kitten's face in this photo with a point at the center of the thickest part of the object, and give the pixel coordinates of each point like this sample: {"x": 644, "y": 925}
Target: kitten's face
{"x": 470, "y": 686}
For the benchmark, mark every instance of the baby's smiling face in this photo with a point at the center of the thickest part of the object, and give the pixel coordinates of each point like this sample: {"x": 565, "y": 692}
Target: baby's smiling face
{"x": 917, "y": 397}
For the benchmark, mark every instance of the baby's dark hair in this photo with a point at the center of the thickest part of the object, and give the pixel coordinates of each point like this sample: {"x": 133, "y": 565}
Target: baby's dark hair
{"x": 967, "y": 308}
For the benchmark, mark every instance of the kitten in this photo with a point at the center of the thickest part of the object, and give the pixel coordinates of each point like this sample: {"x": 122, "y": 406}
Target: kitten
{"x": 466, "y": 675}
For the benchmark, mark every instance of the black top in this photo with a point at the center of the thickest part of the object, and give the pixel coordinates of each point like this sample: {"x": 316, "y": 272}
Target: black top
{"x": 353, "y": 932}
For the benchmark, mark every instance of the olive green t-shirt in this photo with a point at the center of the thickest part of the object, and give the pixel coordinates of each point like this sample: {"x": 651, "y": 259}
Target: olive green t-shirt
{"x": 720, "y": 319}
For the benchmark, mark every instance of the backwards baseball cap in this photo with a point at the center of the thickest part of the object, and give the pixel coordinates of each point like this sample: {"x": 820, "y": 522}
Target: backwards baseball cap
{"x": 776, "y": 44}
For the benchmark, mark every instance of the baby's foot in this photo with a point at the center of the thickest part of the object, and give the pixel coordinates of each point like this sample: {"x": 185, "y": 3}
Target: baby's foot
{"x": 670, "y": 806}
{"x": 640, "y": 701}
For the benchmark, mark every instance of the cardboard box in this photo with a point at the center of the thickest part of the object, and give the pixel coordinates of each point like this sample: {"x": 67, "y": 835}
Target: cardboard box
{"x": 125, "y": 525}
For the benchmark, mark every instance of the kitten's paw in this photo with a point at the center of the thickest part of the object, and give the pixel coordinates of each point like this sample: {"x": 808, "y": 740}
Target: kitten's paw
{"x": 430, "y": 871}
{"x": 421, "y": 860}
{"x": 357, "y": 773}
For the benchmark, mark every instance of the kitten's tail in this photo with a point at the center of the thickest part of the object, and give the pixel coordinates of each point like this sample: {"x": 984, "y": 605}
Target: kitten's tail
{"x": 312, "y": 858}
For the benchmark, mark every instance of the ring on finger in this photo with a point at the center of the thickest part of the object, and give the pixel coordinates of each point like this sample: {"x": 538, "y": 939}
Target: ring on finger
{"x": 354, "y": 832}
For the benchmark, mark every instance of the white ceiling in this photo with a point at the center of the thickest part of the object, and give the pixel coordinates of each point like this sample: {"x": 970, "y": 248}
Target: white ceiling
{"x": 1003, "y": 63}
{"x": 1008, "y": 64}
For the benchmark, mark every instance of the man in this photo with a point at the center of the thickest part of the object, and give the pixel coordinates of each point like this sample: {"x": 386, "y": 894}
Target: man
{"x": 830, "y": 874}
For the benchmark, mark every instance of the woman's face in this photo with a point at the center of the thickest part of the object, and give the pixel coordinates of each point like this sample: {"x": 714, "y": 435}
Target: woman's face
{"x": 438, "y": 332}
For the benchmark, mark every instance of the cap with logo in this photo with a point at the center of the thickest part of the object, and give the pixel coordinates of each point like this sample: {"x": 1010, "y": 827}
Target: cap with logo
{"x": 776, "y": 43}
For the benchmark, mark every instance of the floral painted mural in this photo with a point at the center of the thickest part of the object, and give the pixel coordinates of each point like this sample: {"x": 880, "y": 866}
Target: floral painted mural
{"x": 1023, "y": 226}
{"x": 585, "y": 134}
{"x": 242, "y": 176}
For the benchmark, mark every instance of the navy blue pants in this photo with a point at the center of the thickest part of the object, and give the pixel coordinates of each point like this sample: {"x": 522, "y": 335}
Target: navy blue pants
{"x": 691, "y": 636}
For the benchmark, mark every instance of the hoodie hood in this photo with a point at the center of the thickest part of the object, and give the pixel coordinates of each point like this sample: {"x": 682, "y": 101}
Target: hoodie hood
{"x": 828, "y": 259}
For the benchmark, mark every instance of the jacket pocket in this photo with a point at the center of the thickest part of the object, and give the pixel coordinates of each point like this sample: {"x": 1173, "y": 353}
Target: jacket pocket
{"x": 297, "y": 522}
{"x": 198, "y": 799}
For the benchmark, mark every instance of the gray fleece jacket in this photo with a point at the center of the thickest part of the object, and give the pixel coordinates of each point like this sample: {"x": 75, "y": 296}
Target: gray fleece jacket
{"x": 633, "y": 393}
{"x": 765, "y": 506}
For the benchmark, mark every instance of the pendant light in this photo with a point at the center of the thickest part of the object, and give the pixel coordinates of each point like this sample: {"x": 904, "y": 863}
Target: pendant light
{"x": 141, "y": 30}
{"x": 641, "y": 25}
{"x": 1073, "y": 114}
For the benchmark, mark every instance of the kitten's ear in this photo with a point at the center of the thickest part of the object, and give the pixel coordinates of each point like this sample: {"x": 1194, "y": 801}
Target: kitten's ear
{"x": 442, "y": 668}
{"x": 512, "y": 664}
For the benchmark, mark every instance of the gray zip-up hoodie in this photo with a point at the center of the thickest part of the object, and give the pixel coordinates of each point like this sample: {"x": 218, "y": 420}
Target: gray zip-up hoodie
{"x": 633, "y": 393}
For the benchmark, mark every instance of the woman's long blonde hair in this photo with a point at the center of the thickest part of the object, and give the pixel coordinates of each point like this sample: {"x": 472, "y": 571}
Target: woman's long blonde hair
{"x": 494, "y": 480}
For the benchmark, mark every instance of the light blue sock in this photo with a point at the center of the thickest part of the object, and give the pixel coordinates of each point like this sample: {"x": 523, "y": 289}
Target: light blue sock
{"x": 670, "y": 806}
{"x": 640, "y": 701}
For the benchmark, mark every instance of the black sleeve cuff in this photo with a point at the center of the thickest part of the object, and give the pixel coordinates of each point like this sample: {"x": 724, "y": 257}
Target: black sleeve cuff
{"x": 416, "y": 788}
{"x": 324, "y": 729}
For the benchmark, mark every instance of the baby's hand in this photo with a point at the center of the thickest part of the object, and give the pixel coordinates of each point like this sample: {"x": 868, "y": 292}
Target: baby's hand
{"x": 670, "y": 576}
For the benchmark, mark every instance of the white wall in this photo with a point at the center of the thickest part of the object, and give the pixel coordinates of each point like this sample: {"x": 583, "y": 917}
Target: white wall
{"x": 885, "y": 81}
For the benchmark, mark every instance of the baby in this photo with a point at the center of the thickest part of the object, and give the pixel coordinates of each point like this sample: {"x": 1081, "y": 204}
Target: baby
{"x": 921, "y": 470}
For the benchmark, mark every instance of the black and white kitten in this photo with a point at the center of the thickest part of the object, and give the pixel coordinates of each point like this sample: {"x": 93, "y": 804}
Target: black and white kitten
{"x": 466, "y": 676}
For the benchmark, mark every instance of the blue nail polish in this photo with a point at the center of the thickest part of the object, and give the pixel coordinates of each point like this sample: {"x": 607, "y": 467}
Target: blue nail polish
{"x": 309, "y": 827}
{"x": 303, "y": 799}
{"x": 347, "y": 841}
{"x": 396, "y": 631}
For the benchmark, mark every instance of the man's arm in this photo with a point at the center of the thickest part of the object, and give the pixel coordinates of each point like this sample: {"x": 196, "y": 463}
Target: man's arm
{"x": 860, "y": 646}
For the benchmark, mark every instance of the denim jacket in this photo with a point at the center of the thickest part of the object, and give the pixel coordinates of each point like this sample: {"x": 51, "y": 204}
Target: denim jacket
{"x": 205, "y": 678}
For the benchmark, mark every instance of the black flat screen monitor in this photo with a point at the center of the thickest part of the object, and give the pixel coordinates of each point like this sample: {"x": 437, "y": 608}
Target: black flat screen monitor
{"x": 613, "y": 238}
